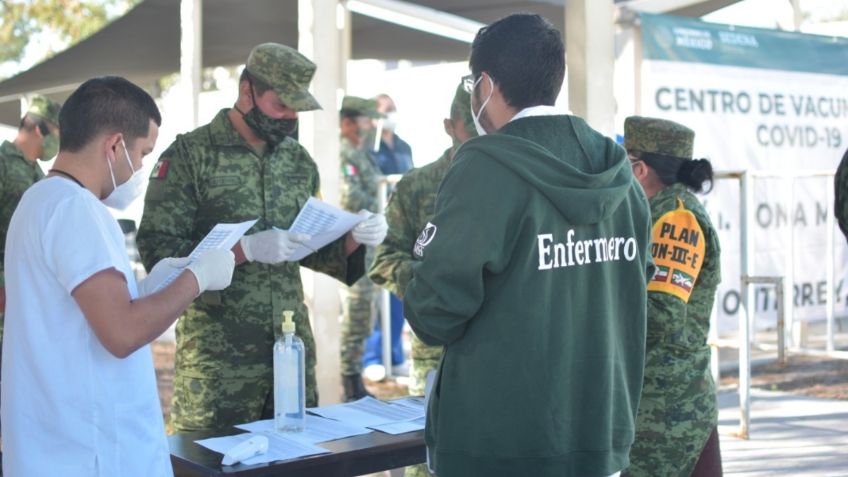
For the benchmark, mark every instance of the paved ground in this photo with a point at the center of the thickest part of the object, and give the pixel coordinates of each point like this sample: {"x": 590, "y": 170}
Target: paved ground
{"x": 790, "y": 435}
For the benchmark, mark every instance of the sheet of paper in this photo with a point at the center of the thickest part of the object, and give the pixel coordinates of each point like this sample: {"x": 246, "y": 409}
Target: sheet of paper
{"x": 222, "y": 236}
{"x": 415, "y": 403}
{"x": 280, "y": 447}
{"x": 324, "y": 223}
{"x": 367, "y": 412}
{"x": 402, "y": 427}
{"x": 318, "y": 429}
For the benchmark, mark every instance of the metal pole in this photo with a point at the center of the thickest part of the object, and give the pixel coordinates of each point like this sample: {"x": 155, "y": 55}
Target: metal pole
{"x": 830, "y": 256}
{"x": 190, "y": 55}
{"x": 781, "y": 310}
{"x": 385, "y": 297}
{"x": 789, "y": 272}
{"x": 715, "y": 364}
{"x": 747, "y": 298}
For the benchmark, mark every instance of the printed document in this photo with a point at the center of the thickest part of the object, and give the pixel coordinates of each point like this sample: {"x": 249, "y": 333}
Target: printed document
{"x": 324, "y": 223}
{"x": 222, "y": 237}
{"x": 368, "y": 412}
{"x": 316, "y": 430}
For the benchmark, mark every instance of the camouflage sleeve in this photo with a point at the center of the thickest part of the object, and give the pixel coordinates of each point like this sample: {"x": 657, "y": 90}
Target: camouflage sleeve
{"x": 355, "y": 195}
{"x": 331, "y": 259}
{"x": 393, "y": 259}
{"x": 167, "y": 224}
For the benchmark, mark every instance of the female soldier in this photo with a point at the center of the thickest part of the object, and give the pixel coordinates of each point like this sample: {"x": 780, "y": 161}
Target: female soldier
{"x": 676, "y": 425}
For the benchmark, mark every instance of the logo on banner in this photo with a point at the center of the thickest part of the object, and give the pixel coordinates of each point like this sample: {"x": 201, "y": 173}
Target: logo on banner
{"x": 678, "y": 250}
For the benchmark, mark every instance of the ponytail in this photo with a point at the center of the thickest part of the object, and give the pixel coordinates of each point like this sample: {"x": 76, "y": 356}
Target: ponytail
{"x": 693, "y": 173}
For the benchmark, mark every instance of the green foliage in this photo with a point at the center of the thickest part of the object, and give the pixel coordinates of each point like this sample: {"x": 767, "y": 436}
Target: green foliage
{"x": 69, "y": 20}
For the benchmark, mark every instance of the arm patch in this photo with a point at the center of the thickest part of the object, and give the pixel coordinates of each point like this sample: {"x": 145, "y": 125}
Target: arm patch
{"x": 678, "y": 250}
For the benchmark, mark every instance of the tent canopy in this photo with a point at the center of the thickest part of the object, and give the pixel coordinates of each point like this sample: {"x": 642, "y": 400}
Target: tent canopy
{"x": 143, "y": 45}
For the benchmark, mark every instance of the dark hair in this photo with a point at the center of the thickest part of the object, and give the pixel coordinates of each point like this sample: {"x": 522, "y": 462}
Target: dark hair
{"x": 693, "y": 173}
{"x": 259, "y": 86}
{"x": 106, "y": 105}
{"x": 348, "y": 113}
{"x": 525, "y": 55}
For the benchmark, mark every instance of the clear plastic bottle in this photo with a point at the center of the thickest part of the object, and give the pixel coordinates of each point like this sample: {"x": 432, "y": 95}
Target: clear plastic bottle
{"x": 289, "y": 382}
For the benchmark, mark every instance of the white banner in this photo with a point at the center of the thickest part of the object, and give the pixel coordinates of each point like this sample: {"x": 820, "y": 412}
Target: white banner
{"x": 766, "y": 120}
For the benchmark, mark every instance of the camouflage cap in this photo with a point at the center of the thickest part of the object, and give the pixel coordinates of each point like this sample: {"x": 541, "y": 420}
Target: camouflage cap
{"x": 461, "y": 107}
{"x": 45, "y": 108}
{"x": 365, "y": 107}
{"x": 286, "y": 71}
{"x": 658, "y": 136}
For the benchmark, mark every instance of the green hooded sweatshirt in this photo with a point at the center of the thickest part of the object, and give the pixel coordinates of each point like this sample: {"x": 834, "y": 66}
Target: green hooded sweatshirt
{"x": 533, "y": 277}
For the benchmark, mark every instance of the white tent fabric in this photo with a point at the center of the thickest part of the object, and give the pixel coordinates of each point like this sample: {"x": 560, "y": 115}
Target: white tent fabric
{"x": 144, "y": 44}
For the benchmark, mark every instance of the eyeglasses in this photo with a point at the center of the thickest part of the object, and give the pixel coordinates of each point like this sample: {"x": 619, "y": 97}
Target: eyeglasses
{"x": 468, "y": 83}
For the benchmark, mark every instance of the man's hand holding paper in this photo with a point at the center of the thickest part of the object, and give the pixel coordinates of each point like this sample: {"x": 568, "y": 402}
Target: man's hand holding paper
{"x": 272, "y": 246}
{"x": 372, "y": 231}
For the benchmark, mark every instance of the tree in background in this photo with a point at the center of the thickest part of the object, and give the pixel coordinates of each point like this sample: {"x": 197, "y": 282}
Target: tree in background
{"x": 64, "y": 22}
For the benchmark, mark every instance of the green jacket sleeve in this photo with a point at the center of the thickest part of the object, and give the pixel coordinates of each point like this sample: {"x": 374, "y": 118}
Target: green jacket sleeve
{"x": 170, "y": 205}
{"x": 393, "y": 259}
{"x": 447, "y": 288}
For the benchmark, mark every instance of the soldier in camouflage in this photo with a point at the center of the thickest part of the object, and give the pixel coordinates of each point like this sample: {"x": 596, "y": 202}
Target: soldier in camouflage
{"x": 243, "y": 165}
{"x": 360, "y": 180}
{"x": 37, "y": 138}
{"x": 676, "y": 423}
{"x": 840, "y": 196}
{"x": 410, "y": 208}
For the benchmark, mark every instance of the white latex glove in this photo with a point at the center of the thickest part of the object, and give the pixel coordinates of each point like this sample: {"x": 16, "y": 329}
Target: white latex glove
{"x": 160, "y": 272}
{"x": 271, "y": 246}
{"x": 372, "y": 230}
{"x": 213, "y": 269}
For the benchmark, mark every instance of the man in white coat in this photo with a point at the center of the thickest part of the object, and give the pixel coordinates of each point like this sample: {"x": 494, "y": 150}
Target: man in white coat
{"x": 78, "y": 387}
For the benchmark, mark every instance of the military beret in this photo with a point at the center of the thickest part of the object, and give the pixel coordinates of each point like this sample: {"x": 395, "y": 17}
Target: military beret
{"x": 461, "y": 105}
{"x": 362, "y": 106}
{"x": 286, "y": 71}
{"x": 658, "y": 136}
{"x": 45, "y": 108}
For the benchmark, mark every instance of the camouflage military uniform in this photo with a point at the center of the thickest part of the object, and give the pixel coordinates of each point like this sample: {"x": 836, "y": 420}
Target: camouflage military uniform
{"x": 840, "y": 202}
{"x": 16, "y": 175}
{"x": 678, "y": 410}
{"x": 411, "y": 207}
{"x": 360, "y": 182}
{"x": 225, "y": 340}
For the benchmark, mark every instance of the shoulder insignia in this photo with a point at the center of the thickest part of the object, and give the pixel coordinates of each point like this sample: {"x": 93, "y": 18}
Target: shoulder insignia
{"x": 160, "y": 170}
{"x": 678, "y": 250}
{"x": 349, "y": 170}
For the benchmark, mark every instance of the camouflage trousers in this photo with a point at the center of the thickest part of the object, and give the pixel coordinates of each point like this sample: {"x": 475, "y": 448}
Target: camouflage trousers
{"x": 424, "y": 359}
{"x": 677, "y": 414}
{"x": 201, "y": 404}
{"x": 359, "y": 310}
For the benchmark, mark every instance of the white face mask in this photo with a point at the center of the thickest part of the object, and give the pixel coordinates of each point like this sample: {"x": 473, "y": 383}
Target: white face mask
{"x": 476, "y": 117}
{"x": 390, "y": 121}
{"x": 123, "y": 195}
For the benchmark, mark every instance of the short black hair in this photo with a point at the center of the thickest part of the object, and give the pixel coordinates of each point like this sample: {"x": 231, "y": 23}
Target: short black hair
{"x": 106, "y": 105}
{"x": 525, "y": 55}
{"x": 259, "y": 86}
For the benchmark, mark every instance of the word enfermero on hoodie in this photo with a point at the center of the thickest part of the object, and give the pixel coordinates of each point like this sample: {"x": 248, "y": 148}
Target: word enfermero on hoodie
{"x": 533, "y": 276}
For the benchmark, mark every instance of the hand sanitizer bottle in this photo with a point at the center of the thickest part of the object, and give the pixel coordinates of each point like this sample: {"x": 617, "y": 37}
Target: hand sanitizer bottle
{"x": 289, "y": 382}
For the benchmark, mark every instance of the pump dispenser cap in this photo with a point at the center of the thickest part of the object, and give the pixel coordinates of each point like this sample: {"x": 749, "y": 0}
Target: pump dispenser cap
{"x": 288, "y": 324}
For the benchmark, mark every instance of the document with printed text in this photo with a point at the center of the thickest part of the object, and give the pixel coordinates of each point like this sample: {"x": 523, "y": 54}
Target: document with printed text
{"x": 323, "y": 223}
{"x": 222, "y": 237}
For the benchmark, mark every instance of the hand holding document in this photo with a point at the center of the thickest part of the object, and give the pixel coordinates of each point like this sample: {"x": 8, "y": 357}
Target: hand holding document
{"x": 221, "y": 237}
{"x": 323, "y": 223}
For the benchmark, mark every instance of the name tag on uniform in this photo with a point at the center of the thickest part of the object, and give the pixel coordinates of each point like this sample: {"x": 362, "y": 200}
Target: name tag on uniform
{"x": 222, "y": 181}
